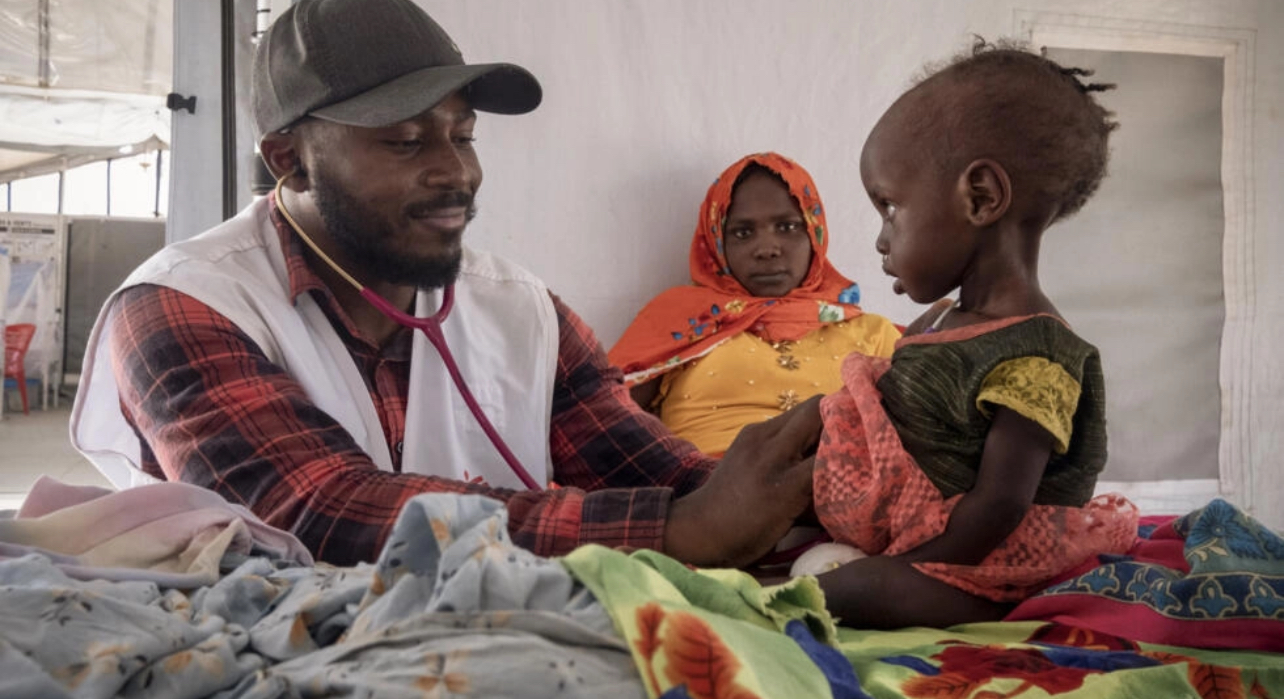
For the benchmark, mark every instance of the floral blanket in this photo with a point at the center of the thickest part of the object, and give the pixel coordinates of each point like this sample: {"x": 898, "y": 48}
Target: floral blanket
{"x": 1212, "y": 579}
{"x": 710, "y": 634}
{"x": 452, "y": 608}
{"x": 1195, "y": 581}
{"x": 1034, "y": 660}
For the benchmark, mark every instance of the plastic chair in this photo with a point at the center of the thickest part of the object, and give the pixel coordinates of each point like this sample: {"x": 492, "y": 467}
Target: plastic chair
{"x": 17, "y": 338}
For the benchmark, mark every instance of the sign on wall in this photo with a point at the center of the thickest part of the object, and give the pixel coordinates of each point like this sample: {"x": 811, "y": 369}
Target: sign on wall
{"x": 36, "y": 245}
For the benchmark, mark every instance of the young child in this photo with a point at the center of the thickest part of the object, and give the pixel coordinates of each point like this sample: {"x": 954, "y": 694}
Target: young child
{"x": 965, "y": 465}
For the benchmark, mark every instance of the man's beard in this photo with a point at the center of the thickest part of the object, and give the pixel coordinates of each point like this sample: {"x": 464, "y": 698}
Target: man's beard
{"x": 363, "y": 237}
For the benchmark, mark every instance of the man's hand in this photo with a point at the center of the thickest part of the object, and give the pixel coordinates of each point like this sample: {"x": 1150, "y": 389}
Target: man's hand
{"x": 762, "y": 484}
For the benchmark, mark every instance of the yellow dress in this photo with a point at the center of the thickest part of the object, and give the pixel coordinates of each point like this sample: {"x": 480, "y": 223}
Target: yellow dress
{"x": 746, "y": 379}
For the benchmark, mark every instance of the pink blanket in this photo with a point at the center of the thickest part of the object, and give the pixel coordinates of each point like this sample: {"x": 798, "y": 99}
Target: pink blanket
{"x": 171, "y": 533}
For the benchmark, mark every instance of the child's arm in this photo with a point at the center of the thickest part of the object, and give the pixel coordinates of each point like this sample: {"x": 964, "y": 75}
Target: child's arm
{"x": 1016, "y": 452}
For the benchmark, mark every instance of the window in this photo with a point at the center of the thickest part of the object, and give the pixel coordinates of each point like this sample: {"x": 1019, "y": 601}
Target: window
{"x": 35, "y": 195}
{"x": 84, "y": 190}
{"x": 133, "y": 185}
{"x": 125, "y": 186}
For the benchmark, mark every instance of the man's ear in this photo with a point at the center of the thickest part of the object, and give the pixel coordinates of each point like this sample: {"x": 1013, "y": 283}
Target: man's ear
{"x": 986, "y": 192}
{"x": 280, "y": 152}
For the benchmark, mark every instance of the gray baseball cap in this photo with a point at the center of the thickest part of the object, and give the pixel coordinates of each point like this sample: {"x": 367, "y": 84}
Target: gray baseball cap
{"x": 372, "y": 63}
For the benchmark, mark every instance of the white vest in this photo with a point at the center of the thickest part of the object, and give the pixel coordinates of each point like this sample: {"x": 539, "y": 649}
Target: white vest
{"x": 503, "y": 330}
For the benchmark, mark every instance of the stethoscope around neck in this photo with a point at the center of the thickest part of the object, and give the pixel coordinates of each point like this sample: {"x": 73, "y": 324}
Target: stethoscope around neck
{"x": 431, "y": 328}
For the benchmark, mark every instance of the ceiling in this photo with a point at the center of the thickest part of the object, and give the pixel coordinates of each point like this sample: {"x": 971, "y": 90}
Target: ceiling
{"x": 82, "y": 80}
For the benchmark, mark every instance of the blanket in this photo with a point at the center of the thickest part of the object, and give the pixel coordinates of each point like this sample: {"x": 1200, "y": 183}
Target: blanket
{"x": 1034, "y": 660}
{"x": 710, "y": 633}
{"x": 1211, "y": 579}
{"x": 171, "y": 534}
{"x": 451, "y": 608}
{"x": 714, "y": 633}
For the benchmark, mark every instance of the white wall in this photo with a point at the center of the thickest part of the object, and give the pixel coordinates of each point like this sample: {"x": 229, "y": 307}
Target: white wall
{"x": 1267, "y": 398}
{"x": 196, "y": 164}
{"x": 1140, "y": 270}
{"x": 647, "y": 100}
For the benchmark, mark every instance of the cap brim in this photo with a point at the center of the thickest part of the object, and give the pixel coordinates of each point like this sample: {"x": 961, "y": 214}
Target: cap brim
{"x": 501, "y": 88}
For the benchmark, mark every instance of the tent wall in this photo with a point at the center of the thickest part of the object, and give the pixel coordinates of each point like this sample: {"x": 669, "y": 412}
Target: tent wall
{"x": 82, "y": 79}
{"x": 4, "y": 306}
{"x": 201, "y": 173}
{"x": 1139, "y": 270}
{"x": 101, "y": 252}
{"x": 117, "y": 46}
{"x": 646, "y": 100}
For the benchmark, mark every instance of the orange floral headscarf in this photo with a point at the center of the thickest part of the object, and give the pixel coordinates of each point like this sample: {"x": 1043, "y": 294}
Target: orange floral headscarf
{"x": 686, "y": 322}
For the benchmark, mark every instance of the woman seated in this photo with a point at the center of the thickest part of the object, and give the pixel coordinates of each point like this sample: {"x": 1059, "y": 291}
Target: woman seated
{"x": 768, "y": 320}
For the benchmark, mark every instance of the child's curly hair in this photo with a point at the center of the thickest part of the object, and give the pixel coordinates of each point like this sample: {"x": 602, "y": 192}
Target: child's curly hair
{"x": 1036, "y": 117}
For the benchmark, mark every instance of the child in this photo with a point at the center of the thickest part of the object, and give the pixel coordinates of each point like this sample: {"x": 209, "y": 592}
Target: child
{"x": 967, "y": 463}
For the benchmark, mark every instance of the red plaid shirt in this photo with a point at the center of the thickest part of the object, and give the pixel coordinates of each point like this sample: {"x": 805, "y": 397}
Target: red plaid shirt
{"x": 210, "y": 409}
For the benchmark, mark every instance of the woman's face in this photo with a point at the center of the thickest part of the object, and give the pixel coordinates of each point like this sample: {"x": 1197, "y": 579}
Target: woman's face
{"x": 765, "y": 237}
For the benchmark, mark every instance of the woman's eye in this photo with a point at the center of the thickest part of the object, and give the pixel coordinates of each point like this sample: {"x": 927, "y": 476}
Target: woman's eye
{"x": 404, "y": 144}
{"x": 790, "y": 226}
{"x": 741, "y": 233}
{"x": 465, "y": 140}
{"x": 889, "y": 210}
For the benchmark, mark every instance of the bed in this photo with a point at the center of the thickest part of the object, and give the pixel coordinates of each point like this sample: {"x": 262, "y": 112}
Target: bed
{"x": 167, "y": 591}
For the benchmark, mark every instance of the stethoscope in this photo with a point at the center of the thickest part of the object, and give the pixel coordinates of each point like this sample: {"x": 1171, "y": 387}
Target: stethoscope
{"x": 431, "y": 328}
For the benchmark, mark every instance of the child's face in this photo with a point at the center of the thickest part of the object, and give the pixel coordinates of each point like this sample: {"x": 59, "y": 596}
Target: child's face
{"x": 925, "y": 240}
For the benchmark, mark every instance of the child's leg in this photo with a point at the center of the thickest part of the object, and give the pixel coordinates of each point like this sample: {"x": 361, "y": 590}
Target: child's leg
{"x": 885, "y": 593}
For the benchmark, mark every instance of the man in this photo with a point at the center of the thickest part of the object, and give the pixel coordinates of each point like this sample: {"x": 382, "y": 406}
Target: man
{"x": 250, "y": 363}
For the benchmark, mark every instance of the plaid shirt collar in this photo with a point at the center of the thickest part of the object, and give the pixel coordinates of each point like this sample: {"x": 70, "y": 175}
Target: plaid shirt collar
{"x": 303, "y": 279}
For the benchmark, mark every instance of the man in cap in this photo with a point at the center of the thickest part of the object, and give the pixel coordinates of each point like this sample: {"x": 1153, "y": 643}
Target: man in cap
{"x": 255, "y": 360}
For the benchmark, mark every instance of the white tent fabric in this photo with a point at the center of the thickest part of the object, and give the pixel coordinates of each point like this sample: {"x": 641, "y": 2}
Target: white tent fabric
{"x": 645, "y": 102}
{"x": 50, "y": 130}
{"x": 4, "y": 285}
{"x": 4, "y": 295}
{"x": 120, "y": 46}
{"x": 80, "y": 80}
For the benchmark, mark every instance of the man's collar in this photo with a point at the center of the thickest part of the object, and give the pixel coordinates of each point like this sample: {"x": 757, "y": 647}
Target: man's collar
{"x": 304, "y": 279}
{"x": 301, "y": 276}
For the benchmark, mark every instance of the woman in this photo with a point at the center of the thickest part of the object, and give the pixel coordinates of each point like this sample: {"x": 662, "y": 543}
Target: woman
{"x": 768, "y": 321}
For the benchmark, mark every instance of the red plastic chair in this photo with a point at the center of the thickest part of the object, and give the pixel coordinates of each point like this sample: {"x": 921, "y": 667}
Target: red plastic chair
{"x": 17, "y": 338}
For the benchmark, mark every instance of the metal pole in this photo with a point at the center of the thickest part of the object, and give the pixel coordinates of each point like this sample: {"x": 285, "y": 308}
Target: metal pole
{"x": 109, "y": 186}
{"x": 262, "y": 18}
{"x": 229, "y": 107}
{"x": 43, "y": 73}
{"x": 261, "y": 180}
{"x": 62, "y": 175}
{"x": 160, "y": 161}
